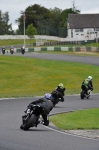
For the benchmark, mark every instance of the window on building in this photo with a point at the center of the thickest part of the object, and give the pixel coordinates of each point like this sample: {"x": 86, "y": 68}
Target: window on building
{"x": 90, "y": 33}
{"x": 72, "y": 33}
{"x": 78, "y": 30}
{"x": 96, "y": 29}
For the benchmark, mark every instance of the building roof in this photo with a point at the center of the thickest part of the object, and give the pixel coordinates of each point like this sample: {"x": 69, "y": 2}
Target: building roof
{"x": 77, "y": 21}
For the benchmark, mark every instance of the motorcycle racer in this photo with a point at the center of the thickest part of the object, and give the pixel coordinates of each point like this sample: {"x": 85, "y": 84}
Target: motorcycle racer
{"x": 87, "y": 84}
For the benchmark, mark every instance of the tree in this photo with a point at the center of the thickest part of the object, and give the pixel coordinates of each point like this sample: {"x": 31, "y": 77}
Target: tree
{"x": 64, "y": 17}
{"x": 5, "y": 28}
{"x": 37, "y": 15}
{"x": 55, "y": 19}
{"x": 46, "y": 21}
{"x": 31, "y": 31}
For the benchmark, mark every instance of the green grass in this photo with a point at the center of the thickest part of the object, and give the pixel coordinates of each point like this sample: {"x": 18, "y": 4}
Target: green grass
{"x": 82, "y": 119}
{"x": 9, "y": 42}
{"x": 21, "y": 76}
{"x": 92, "y": 44}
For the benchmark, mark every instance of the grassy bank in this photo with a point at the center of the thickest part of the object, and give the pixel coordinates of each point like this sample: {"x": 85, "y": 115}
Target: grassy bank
{"x": 83, "y": 119}
{"x": 10, "y": 42}
{"x": 21, "y": 76}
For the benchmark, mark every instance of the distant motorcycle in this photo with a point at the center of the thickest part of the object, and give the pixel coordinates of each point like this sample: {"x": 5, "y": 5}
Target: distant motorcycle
{"x": 31, "y": 117}
{"x": 23, "y": 50}
{"x": 11, "y": 50}
{"x": 3, "y": 51}
{"x": 84, "y": 95}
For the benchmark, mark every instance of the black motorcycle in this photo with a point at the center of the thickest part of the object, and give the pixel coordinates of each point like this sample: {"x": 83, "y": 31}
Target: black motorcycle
{"x": 31, "y": 117}
{"x": 84, "y": 95}
{"x": 11, "y": 50}
{"x": 22, "y": 50}
{"x": 3, "y": 51}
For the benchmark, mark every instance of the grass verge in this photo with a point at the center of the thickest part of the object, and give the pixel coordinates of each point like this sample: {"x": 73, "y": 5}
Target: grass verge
{"x": 9, "y": 42}
{"x": 21, "y": 76}
{"x": 82, "y": 119}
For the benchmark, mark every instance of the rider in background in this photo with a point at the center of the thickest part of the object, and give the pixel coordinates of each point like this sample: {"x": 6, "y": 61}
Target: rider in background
{"x": 87, "y": 84}
{"x": 23, "y": 48}
{"x": 3, "y": 48}
{"x": 60, "y": 90}
{"x": 12, "y": 48}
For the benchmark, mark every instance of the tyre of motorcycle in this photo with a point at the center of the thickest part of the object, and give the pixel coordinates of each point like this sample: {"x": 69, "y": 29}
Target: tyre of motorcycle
{"x": 3, "y": 52}
{"x": 11, "y": 52}
{"x": 22, "y": 51}
{"x": 82, "y": 94}
{"x": 31, "y": 121}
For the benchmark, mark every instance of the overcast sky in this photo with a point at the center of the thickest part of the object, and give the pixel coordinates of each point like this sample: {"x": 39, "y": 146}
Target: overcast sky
{"x": 14, "y": 7}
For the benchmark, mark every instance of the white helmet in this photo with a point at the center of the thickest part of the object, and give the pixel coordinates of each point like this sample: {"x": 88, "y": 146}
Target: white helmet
{"x": 90, "y": 77}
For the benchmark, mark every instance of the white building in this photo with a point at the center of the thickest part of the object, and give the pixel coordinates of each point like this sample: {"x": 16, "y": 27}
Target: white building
{"x": 83, "y": 26}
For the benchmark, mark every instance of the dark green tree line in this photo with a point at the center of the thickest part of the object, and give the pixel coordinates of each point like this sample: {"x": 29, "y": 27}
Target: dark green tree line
{"x": 46, "y": 21}
{"x": 5, "y": 28}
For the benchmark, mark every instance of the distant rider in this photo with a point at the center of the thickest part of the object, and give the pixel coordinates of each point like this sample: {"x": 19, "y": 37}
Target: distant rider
{"x": 3, "y": 49}
{"x": 60, "y": 91}
{"x": 87, "y": 84}
{"x": 12, "y": 48}
{"x": 22, "y": 48}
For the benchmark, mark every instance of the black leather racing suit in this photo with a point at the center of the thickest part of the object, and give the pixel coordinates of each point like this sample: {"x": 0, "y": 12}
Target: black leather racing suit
{"x": 57, "y": 95}
{"x": 46, "y": 104}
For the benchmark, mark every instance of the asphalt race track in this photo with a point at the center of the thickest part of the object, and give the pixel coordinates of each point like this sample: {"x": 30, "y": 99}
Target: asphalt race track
{"x": 42, "y": 137}
{"x": 70, "y": 58}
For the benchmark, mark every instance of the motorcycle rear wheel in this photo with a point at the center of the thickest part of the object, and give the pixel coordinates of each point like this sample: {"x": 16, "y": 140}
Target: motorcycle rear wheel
{"x": 29, "y": 123}
{"x": 82, "y": 95}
